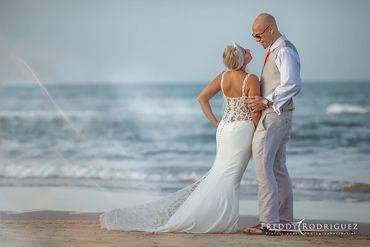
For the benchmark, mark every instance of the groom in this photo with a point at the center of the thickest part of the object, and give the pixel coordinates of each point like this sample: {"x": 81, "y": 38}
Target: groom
{"x": 280, "y": 82}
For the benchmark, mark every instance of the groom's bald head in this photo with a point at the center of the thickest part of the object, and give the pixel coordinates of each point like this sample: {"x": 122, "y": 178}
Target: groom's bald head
{"x": 264, "y": 20}
{"x": 265, "y": 29}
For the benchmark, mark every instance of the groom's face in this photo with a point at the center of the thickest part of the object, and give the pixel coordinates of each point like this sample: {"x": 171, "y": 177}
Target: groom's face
{"x": 262, "y": 35}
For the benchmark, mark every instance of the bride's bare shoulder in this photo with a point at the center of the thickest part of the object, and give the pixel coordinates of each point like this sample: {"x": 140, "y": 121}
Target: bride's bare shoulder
{"x": 253, "y": 77}
{"x": 253, "y": 82}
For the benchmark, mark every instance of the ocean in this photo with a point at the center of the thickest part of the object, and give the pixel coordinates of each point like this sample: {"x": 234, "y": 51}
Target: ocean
{"x": 155, "y": 138}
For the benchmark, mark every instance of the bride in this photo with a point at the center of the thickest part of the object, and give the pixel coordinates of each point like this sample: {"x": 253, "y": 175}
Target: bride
{"x": 211, "y": 204}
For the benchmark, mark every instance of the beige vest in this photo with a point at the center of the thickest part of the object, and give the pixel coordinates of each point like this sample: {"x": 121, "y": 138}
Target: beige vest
{"x": 270, "y": 77}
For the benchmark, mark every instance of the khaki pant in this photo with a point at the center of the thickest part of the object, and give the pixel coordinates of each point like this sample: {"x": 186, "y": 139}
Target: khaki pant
{"x": 275, "y": 195}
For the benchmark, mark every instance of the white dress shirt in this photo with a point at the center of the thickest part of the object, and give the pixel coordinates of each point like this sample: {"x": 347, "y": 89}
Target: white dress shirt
{"x": 288, "y": 63}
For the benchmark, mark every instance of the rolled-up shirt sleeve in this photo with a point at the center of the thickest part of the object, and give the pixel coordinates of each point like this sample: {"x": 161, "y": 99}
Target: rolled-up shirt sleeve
{"x": 288, "y": 63}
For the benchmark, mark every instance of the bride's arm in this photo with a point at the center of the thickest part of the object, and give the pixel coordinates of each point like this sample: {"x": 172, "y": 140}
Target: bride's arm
{"x": 211, "y": 90}
{"x": 254, "y": 90}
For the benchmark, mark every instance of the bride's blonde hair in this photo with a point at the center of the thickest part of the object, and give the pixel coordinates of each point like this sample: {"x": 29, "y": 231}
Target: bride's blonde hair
{"x": 231, "y": 57}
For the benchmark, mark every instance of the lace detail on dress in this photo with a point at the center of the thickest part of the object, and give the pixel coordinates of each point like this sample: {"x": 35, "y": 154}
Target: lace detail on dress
{"x": 236, "y": 108}
{"x": 149, "y": 216}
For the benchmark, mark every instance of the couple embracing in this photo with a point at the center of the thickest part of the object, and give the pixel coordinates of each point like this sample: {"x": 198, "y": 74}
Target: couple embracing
{"x": 257, "y": 121}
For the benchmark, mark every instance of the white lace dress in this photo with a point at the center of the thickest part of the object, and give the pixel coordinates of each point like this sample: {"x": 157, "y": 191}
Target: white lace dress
{"x": 209, "y": 205}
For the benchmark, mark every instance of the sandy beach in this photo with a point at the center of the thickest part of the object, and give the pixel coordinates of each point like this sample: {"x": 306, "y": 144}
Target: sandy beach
{"x": 62, "y": 228}
{"x": 68, "y": 216}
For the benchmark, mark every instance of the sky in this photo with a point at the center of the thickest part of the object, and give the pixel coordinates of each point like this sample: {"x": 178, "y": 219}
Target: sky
{"x": 175, "y": 41}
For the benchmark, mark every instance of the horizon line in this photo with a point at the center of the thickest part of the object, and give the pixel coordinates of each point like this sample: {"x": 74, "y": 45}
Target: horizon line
{"x": 164, "y": 82}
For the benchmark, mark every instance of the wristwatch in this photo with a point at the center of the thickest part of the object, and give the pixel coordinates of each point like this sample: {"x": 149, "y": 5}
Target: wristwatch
{"x": 265, "y": 103}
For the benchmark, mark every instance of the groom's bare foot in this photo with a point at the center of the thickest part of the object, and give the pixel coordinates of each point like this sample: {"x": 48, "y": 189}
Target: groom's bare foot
{"x": 257, "y": 229}
{"x": 253, "y": 230}
{"x": 260, "y": 230}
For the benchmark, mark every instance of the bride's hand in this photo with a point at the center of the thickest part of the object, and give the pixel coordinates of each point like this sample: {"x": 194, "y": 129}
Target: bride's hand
{"x": 216, "y": 124}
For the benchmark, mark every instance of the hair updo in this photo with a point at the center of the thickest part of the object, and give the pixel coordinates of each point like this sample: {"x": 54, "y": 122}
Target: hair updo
{"x": 231, "y": 57}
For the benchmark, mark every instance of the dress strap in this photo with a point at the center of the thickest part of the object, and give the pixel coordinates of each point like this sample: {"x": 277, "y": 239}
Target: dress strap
{"x": 222, "y": 82}
{"x": 244, "y": 82}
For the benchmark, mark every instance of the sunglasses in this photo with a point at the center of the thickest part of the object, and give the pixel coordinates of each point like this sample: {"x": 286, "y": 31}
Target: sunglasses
{"x": 258, "y": 36}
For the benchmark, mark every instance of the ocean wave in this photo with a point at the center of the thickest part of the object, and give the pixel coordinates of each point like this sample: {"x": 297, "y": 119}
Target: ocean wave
{"x": 47, "y": 114}
{"x": 329, "y": 185}
{"x": 347, "y": 109}
{"x": 84, "y": 172}
{"x": 160, "y": 175}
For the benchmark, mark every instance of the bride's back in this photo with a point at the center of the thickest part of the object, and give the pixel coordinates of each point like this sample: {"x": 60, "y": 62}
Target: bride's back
{"x": 233, "y": 83}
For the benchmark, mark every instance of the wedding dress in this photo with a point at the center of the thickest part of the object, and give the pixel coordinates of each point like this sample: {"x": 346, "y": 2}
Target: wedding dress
{"x": 211, "y": 204}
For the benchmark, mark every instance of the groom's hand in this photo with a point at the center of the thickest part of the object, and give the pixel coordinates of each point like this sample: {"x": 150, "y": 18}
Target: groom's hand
{"x": 255, "y": 103}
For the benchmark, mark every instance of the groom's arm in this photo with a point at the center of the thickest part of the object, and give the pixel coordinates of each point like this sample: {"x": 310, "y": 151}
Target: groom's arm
{"x": 288, "y": 63}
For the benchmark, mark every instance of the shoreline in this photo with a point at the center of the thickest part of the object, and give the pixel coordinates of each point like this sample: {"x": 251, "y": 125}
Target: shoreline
{"x": 82, "y": 199}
